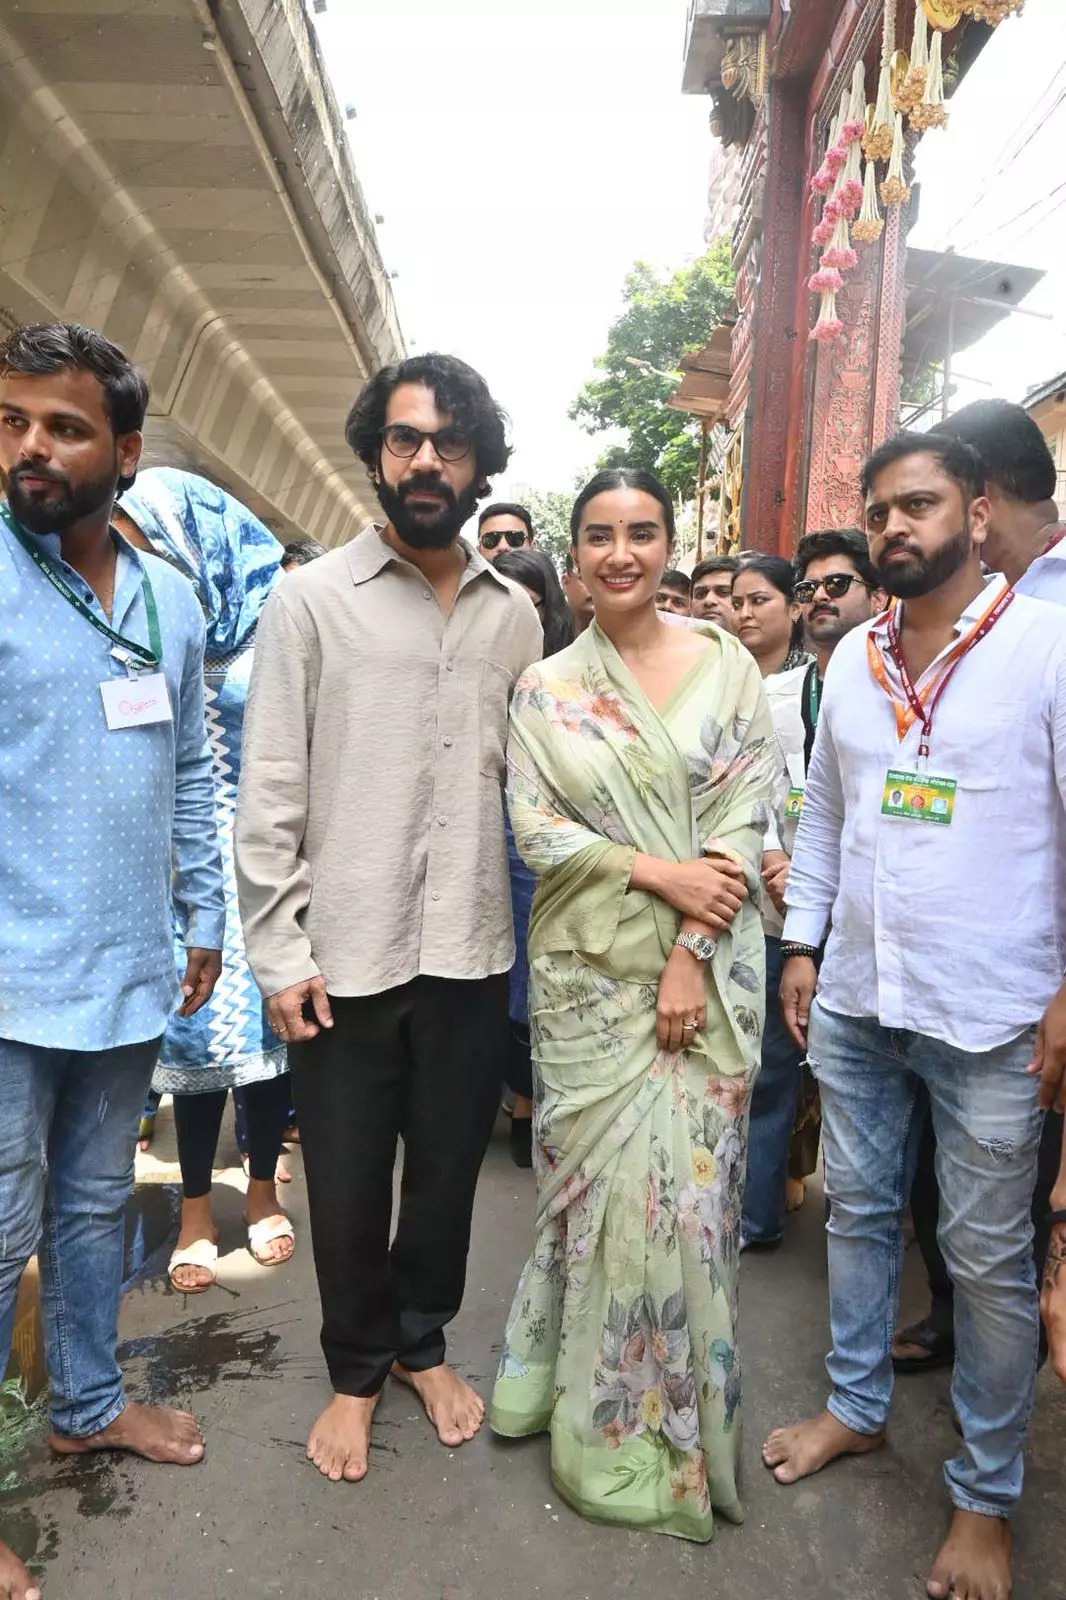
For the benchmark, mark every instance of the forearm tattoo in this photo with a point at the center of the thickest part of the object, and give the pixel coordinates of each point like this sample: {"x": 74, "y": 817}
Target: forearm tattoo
{"x": 1055, "y": 1265}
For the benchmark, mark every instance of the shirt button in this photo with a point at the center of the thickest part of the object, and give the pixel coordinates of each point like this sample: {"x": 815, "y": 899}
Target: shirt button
{"x": 427, "y": 594}
{"x": 436, "y": 894}
{"x": 447, "y": 741}
{"x": 449, "y": 666}
{"x": 442, "y": 822}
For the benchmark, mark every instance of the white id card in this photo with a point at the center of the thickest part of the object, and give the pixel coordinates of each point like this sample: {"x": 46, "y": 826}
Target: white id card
{"x": 136, "y": 702}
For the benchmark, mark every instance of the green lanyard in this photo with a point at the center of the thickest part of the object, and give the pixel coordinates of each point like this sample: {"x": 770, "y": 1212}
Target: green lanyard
{"x": 151, "y": 657}
{"x": 814, "y": 694}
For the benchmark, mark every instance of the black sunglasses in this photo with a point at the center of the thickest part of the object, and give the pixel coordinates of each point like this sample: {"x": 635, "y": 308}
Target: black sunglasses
{"x": 516, "y": 538}
{"x": 835, "y": 584}
{"x": 403, "y": 441}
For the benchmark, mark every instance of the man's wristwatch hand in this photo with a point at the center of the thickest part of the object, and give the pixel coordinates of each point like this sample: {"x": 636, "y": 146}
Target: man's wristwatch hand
{"x": 700, "y": 945}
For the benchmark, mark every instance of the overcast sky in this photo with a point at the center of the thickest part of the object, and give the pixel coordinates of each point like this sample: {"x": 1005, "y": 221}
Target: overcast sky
{"x": 525, "y": 155}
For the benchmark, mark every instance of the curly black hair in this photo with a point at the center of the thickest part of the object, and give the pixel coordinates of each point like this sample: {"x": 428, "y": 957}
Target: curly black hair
{"x": 458, "y": 390}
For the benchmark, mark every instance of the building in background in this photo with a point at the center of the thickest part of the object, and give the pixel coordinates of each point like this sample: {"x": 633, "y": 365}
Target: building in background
{"x": 800, "y": 414}
{"x": 177, "y": 174}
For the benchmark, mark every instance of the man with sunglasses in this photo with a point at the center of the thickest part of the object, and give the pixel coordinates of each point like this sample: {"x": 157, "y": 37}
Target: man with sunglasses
{"x": 374, "y": 888}
{"x": 838, "y": 589}
{"x": 502, "y": 527}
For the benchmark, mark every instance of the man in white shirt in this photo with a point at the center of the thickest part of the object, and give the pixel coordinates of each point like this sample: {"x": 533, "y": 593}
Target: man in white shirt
{"x": 939, "y": 775}
{"x": 1025, "y": 542}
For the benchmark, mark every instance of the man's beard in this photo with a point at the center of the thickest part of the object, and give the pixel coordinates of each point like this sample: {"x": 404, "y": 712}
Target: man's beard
{"x": 926, "y": 573}
{"x": 42, "y": 512}
{"x": 423, "y": 528}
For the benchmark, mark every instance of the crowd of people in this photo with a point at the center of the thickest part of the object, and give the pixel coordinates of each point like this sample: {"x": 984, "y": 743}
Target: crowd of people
{"x": 780, "y": 872}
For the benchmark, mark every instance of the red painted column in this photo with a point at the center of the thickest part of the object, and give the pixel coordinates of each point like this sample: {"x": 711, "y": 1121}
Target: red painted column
{"x": 856, "y": 381}
{"x": 773, "y": 261}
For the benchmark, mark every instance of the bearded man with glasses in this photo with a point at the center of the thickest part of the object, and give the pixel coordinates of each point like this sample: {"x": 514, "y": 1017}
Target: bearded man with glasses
{"x": 837, "y": 589}
{"x": 373, "y": 877}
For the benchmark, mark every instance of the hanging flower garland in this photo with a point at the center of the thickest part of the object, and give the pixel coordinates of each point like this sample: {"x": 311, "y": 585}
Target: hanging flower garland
{"x": 995, "y": 11}
{"x": 894, "y": 190}
{"x": 877, "y": 140}
{"x": 930, "y": 112}
{"x": 870, "y": 225}
{"x": 909, "y": 93}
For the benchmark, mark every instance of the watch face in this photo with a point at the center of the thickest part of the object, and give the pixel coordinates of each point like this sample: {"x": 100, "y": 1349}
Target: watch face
{"x": 705, "y": 946}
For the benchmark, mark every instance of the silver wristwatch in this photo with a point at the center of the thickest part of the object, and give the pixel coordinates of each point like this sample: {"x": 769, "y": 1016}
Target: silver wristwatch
{"x": 701, "y": 945}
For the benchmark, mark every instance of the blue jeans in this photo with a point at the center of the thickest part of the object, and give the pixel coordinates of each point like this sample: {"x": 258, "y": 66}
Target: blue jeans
{"x": 987, "y": 1119}
{"x": 773, "y": 1112}
{"x": 68, "y": 1129}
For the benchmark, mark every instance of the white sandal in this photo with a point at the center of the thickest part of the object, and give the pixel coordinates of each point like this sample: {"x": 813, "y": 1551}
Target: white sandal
{"x": 260, "y": 1234}
{"x": 202, "y": 1253}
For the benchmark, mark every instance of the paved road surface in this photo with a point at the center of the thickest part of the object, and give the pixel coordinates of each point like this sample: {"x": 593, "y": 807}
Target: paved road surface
{"x": 482, "y": 1523}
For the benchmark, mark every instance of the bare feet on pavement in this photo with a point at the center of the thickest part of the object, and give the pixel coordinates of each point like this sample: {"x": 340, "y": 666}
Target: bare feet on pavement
{"x": 455, "y": 1410}
{"x": 15, "y": 1581}
{"x": 795, "y": 1193}
{"x": 974, "y": 1560}
{"x": 339, "y": 1442}
{"x": 807, "y": 1447}
{"x": 158, "y": 1433}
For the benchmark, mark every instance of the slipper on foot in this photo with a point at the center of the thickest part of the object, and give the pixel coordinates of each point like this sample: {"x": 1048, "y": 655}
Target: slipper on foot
{"x": 202, "y": 1253}
{"x": 262, "y": 1234}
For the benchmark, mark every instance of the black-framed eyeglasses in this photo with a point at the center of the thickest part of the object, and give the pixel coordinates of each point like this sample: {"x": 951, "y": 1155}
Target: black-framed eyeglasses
{"x": 403, "y": 441}
{"x": 516, "y": 538}
{"x": 835, "y": 584}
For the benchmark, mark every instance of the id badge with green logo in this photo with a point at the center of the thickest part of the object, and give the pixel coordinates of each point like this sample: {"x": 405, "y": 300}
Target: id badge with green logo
{"x": 917, "y": 797}
{"x": 794, "y": 803}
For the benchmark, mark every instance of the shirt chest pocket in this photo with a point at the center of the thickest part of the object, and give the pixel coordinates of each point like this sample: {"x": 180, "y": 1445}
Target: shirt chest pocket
{"x": 494, "y": 693}
{"x": 990, "y": 754}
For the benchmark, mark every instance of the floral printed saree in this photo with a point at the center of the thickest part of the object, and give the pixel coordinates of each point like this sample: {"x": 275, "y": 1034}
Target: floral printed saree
{"x": 622, "y": 1337}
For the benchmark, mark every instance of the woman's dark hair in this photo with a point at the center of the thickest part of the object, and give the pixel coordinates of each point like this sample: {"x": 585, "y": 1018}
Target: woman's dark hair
{"x": 43, "y": 348}
{"x": 623, "y": 478}
{"x": 779, "y": 572}
{"x": 458, "y": 390}
{"x": 537, "y": 571}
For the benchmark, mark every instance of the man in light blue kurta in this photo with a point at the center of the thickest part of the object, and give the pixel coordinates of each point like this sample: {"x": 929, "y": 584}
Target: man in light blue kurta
{"x": 99, "y": 828}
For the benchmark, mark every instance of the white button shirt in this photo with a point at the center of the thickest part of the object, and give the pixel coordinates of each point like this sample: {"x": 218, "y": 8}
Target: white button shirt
{"x": 956, "y": 932}
{"x": 1045, "y": 578}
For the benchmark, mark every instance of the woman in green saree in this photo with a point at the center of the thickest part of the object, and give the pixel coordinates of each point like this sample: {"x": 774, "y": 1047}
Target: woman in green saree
{"x": 641, "y": 762}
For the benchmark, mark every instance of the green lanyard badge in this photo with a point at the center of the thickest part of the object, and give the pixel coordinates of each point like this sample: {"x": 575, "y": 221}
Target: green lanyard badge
{"x": 150, "y": 657}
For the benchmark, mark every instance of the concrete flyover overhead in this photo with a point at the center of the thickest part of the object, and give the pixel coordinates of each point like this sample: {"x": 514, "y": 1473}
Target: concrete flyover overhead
{"x": 177, "y": 174}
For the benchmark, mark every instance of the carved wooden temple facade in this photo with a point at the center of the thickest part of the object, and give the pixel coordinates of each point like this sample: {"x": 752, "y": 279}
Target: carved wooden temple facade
{"x": 801, "y": 415}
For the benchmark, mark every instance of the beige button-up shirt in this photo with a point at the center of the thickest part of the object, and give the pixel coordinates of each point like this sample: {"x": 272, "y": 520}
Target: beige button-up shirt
{"x": 369, "y": 835}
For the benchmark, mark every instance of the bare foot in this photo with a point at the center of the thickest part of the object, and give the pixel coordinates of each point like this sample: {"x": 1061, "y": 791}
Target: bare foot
{"x": 795, "y": 1193}
{"x": 974, "y": 1560}
{"x": 158, "y": 1433}
{"x": 455, "y": 1410}
{"x": 339, "y": 1442}
{"x": 15, "y": 1581}
{"x": 807, "y": 1447}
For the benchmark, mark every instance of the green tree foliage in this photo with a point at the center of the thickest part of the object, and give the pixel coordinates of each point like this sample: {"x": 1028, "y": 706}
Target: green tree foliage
{"x": 550, "y": 510}
{"x": 663, "y": 318}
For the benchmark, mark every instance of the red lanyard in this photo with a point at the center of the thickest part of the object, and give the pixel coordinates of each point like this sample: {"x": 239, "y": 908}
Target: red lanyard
{"x": 921, "y": 704}
{"x": 1056, "y": 538}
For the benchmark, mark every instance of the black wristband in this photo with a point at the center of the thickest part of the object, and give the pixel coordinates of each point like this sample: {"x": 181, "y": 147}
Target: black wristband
{"x": 790, "y": 949}
{"x": 1056, "y": 1218}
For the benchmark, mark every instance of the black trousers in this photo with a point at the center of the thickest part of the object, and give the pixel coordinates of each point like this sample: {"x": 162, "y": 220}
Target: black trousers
{"x": 198, "y": 1121}
{"x": 925, "y": 1210}
{"x": 422, "y": 1063}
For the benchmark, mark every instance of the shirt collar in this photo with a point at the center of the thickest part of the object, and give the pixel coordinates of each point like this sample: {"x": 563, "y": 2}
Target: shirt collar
{"x": 370, "y": 553}
{"x": 985, "y": 598}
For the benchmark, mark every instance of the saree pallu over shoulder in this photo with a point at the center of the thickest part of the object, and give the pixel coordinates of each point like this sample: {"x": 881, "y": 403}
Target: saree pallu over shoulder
{"x": 622, "y": 1335}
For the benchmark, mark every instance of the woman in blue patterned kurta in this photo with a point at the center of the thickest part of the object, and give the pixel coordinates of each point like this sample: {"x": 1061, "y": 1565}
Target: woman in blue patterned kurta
{"x": 233, "y": 561}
